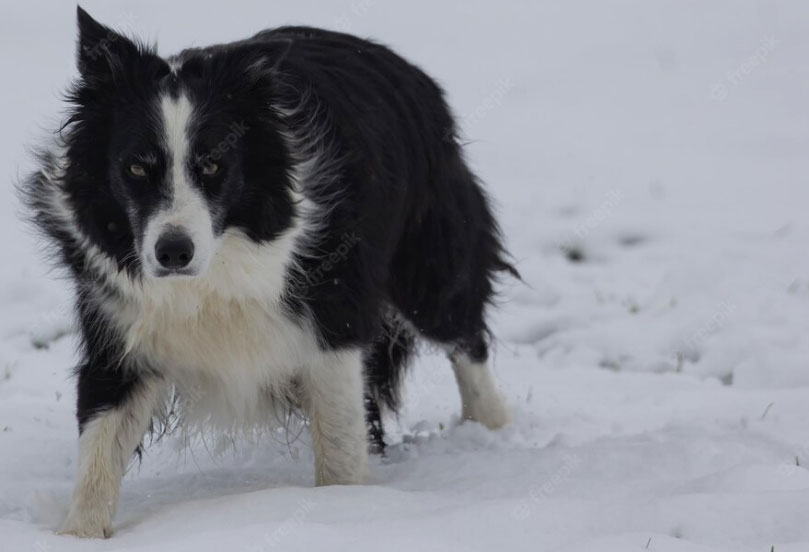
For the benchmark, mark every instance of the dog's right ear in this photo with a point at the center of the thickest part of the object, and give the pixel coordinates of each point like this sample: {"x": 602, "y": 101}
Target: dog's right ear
{"x": 102, "y": 52}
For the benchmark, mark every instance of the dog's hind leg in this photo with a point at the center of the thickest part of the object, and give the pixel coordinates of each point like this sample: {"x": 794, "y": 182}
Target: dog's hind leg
{"x": 442, "y": 281}
{"x": 480, "y": 399}
{"x": 373, "y": 422}
{"x": 386, "y": 361}
{"x": 115, "y": 411}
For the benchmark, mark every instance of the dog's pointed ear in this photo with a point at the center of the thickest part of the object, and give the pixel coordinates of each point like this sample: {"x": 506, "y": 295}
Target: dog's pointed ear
{"x": 101, "y": 51}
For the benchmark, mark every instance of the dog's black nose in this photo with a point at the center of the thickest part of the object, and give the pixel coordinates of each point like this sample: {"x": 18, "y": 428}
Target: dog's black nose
{"x": 174, "y": 250}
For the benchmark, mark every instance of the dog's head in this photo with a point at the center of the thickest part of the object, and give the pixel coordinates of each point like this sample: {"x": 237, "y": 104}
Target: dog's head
{"x": 165, "y": 155}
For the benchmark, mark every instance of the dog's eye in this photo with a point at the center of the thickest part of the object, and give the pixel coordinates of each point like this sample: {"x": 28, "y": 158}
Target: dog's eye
{"x": 136, "y": 171}
{"x": 208, "y": 168}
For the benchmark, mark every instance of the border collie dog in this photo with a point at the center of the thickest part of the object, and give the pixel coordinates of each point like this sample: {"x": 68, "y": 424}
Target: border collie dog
{"x": 271, "y": 222}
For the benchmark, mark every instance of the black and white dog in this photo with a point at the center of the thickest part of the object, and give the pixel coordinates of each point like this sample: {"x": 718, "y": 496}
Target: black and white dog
{"x": 269, "y": 222}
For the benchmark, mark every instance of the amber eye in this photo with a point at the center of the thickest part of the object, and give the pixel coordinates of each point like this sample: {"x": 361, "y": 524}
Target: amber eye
{"x": 137, "y": 171}
{"x": 208, "y": 168}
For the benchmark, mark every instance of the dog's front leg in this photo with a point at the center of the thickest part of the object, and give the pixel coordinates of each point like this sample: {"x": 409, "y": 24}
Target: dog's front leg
{"x": 114, "y": 412}
{"x": 333, "y": 388}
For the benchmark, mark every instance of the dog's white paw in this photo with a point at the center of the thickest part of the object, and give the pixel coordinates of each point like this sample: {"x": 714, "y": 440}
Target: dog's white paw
{"x": 86, "y": 526}
{"x": 491, "y": 411}
{"x": 480, "y": 399}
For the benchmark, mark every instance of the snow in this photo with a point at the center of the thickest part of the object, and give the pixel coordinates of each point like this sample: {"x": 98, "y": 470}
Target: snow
{"x": 660, "y": 385}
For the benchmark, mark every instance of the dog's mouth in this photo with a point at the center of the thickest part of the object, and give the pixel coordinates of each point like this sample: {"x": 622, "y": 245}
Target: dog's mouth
{"x": 180, "y": 274}
{"x": 156, "y": 270}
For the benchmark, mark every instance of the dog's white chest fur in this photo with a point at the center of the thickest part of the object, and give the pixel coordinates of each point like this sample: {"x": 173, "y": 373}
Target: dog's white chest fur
{"x": 222, "y": 339}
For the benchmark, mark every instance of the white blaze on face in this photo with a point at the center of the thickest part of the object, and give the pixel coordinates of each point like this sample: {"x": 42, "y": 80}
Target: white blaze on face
{"x": 186, "y": 211}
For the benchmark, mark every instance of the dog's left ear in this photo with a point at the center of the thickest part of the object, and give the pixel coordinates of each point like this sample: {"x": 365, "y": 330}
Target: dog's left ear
{"x": 102, "y": 52}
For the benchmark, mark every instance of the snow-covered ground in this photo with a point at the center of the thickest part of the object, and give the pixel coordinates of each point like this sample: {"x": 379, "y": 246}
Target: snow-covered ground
{"x": 650, "y": 161}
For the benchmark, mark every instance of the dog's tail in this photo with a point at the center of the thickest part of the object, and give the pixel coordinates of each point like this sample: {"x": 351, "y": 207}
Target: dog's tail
{"x": 386, "y": 363}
